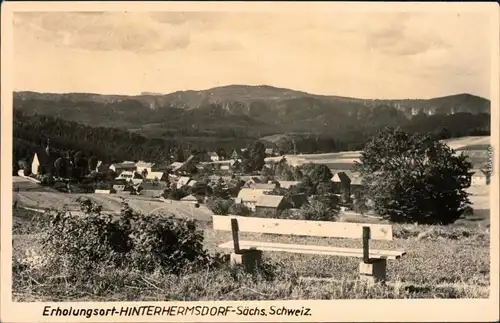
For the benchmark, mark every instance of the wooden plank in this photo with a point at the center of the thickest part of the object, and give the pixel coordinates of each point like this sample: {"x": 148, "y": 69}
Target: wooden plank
{"x": 303, "y": 227}
{"x": 316, "y": 250}
{"x": 236, "y": 239}
{"x": 366, "y": 244}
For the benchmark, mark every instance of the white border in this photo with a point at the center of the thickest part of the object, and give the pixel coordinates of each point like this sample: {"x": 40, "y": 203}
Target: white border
{"x": 331, "y": 311}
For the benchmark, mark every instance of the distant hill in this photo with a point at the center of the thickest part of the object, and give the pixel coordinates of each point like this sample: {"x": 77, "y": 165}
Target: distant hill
{"x": 242, "y": 111}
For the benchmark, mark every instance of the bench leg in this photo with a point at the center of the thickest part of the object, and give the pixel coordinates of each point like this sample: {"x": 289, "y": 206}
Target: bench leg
{"x": 373, "y": 272}
{"x": 250, "y": 259}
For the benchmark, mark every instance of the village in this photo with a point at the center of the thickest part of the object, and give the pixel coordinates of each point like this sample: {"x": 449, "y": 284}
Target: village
{"x": 208, "y": 179}
{"x": 193, "y": 181}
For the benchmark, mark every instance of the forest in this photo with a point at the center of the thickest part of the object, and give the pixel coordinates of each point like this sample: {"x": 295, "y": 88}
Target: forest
{"x": 116, "y": 144}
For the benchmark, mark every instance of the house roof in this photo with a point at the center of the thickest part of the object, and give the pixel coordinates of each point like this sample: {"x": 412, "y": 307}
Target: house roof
{"x": 269, "y": 201}
{"x": 183, "y": 180}
{"x": 176, "y": 164}
{"x": 125, "y": 165}
{"x": 288, "y": 184}
{"x": 192, "y": 183}
{"x": 341, "y": 177}
{"x": 250, "y": 194}
{"x": 153, "y": 175}
{"x": 144, "y": 164}
{"x": 190, "y": 197}
{"x": 43, "y": 158}
{"x": 263, "y": 186}
{"x": 269, "y": 150}
{"x": 478, "y": 173}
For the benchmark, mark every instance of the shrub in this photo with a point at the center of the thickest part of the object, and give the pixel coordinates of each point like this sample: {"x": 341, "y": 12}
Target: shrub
{"x": 239, "y": 209}
{"x": 84, "y": 244}
{"x": 219, "y": 206}
{"x": 317, "y": 210}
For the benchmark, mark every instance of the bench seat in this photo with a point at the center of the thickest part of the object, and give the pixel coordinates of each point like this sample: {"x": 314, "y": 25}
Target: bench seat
{"x": 317, "y": 250}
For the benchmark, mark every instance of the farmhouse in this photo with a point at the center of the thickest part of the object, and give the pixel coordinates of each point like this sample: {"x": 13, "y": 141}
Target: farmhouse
{"x": 479, "y": 178}
{"x": 121, "y": 167}
{"x": 249, "y": 197}
{"x": 142, "y": 165}
{"x": 270, "y": 204}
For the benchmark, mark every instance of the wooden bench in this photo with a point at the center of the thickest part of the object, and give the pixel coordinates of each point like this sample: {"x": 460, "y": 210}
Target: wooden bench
{"x": 374, "y": 262}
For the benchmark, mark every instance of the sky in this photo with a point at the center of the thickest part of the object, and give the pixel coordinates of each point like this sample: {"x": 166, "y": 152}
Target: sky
{"x": 365, "y": 55}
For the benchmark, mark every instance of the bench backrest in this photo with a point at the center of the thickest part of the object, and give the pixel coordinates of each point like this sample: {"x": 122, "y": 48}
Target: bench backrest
{"x": 303, "y": 227}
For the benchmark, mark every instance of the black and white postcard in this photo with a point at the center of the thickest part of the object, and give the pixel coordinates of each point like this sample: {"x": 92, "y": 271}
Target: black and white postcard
{"x": 249, "y": 162}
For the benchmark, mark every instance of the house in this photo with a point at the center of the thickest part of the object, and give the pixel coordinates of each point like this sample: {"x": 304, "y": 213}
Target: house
{"x": 119, "y": 185}
{"x": 182, "y": 181}
{"x": 99, "y": 164}
{"x": 356, "y": 186}
{"x": 175, "y": 166}
{"x": 212, "y": 156}
{"x": 142, "y": 166}
{"x": 268, "y": 187}
{"x": 235, "y": 155}
{"x": 121, "y": 167}
{"x": 270, "y": 204}
{"x": 270, "y": 152}
{"x": 159, "y": 176}
{"x": 43, "y": 160}
{"x": 190, "y": 199}
{"x": 249, "y": 196}
{"x": 130, "y": 176}
{"x": 288, "y": 184}
{"x": 479, "y": 177}
{"x": 342, "y": 183}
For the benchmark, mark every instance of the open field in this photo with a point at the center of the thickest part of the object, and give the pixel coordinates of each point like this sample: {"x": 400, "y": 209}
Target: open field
{"x": 349, "y": 157}
{"x": 457, "y": 143}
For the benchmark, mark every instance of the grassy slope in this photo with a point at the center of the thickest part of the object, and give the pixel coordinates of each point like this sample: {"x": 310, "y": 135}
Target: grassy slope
{"x": 450, "y": 262}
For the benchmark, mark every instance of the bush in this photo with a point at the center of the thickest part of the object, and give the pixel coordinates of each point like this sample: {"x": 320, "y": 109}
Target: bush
{"x": 317, "y": 210}
{"x": 219, "y": 206}
{"x": 239, "y": 209}
{"x": 84, "y": 244}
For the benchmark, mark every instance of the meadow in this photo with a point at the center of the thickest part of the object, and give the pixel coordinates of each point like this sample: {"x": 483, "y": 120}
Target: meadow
{"x": 441, "y": 262}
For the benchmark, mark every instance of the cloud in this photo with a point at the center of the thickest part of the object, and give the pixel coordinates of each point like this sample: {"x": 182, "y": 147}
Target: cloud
{"x": 398, "y": 39}
{"x": 102, "y": 31}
